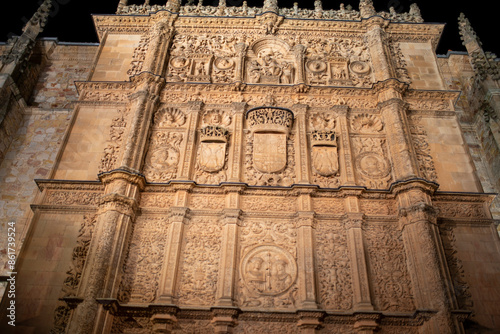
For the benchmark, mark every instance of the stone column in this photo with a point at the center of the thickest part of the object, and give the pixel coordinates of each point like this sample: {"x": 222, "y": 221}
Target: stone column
{"x": 142, "y": 105}
{"x": 393, "y": 110}
{"x": 100, "y": 279}
{"x": 307, "y": 298}
{"x": 236, "y": 148}
{"x": 303, "y": 158}
{"x": 346, "y": 157}
{"x": 425, "y": 255}
{"x": 187, "y": 158}
{"x": 241, "y": 50}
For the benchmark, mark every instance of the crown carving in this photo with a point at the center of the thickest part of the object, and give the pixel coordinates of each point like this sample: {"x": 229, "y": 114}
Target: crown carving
{"x": 323, "y": 138}
{"x": 213, "y": 133}
{"x": 270, "y": 119}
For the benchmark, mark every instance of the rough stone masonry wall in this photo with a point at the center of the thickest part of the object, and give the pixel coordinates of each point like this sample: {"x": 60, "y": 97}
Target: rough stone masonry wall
{"x": 38, "y": 137}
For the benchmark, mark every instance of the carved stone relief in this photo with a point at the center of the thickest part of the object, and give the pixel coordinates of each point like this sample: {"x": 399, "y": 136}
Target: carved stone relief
{"x": 388, "y": 268}
{"x": 455, "y": 265}
{"x": 74, "y": 274}
{"x": 131, "y": 325}
{"x": 212, "y": 153}
{"x": 372, "y": 167}
{"x": 203, "y": 58}
{"x": 141, "y": 270}
{"x": 192, "y": 326}
{"x": 278, "y": 327}
{"x": 169, "y": 117}
{"x": 366, "y": 123}
{"x": 422, "y": 150}
{"x": 333, "y": 267}
{"x": 199, "y": 265}
{"x": 337, "y": 62}
{"x": 163, "y": 156}
{"x": 269, "y": 61}
{"x": 268, "y": 267}
{"x": 116, "y": 132}
{"x": 269, "y": 157}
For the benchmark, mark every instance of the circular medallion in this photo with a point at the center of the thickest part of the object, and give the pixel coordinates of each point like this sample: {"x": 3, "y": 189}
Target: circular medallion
{"x": 223, "y": 63}
{"x": 268, "y": 270}
{"x": 372, "y": 165}
{"x": 360, "y": 67}
{"x": 316, "y": 66}
{"x": 179, "y": 62}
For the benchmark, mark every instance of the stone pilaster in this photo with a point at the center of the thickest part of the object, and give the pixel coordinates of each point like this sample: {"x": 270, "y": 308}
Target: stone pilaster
{"x": 187, "y": 158}
{"x": 309, "y": 321}
{"x": 393, "y": 110}
{"x": 142, "y": 105}
{"x": 161, "y": 35}
{"x": 224, "y": 320}
{"x": 307, "y": 297}
{"x": 425, "y": 255}
{"x": 375, "y": 38}
{"x": 100, "y": 279}
{"x": 228, "y": 264}
{"x": 302, "y": 159}
{"x": 164, "y": 323}
{"x": 346, "y": 157}
{"x": 236, "y": 140}
{"x": 353, "y": 221}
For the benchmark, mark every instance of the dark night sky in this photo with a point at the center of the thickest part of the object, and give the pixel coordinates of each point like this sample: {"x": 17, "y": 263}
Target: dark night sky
{"x": 71, "y": 21}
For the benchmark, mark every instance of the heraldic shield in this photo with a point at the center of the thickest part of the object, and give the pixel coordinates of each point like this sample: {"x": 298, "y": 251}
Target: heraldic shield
{"x": 325, "y": 160}
{"x": 212, "y": 156}
{"x": 269, "y": 152}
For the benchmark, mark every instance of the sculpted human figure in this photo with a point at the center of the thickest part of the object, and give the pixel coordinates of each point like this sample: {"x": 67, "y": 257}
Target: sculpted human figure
{"x": 255, "y": 274}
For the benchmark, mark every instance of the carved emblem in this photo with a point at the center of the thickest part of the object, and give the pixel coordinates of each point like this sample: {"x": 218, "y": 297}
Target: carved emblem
{"x": 163, "y": 157}
{"x": 268, "y": 270}
{"x": 213, "y": 148}
{"x": 270, "y": 127}
{"x": 324, "y": 153}
{"x": 366, "y": 123}
{"x": 270, "y": 62}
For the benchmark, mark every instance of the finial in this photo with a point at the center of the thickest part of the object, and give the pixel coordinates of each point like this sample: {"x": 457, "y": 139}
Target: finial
{"x": 366, "y": 8}
{"x": 173, "y": 5}
{"x": 468, "y": 35}
{"x": 270, "y": 6}
{"x": 39, "y": 19}
{"x": 318, "y": 5}
{"x": 415, "y": 12}
{"x": 121, "y": 5}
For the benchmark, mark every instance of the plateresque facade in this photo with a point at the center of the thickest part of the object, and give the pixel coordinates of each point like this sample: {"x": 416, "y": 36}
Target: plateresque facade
{"x": 250, "y": 170}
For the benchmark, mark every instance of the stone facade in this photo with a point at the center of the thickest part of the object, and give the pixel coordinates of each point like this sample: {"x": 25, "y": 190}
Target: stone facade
{"x": 241, "y": 170}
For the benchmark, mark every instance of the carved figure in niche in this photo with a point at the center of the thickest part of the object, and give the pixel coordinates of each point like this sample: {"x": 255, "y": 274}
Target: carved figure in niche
{"x": 270, "y": 67}
{"x": 216, "y": 118}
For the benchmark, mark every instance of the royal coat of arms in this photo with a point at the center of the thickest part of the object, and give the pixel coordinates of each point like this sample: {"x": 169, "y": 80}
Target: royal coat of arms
{"x": 213, "y": 144}
{"x": 325, "y": 159}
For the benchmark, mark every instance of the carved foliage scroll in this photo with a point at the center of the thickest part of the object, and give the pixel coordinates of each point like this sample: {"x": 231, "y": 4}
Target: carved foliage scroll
{"x": 116, "y": 132}
{"x": 422, "y": 150}
{"x": 74, "y": 274}
{"x": 333, "y": 267}
{"x": 142, "y": 266}
{"x": 372, "y": 166}
{"x": 200, "y": 263}
{"x": 387, "y": 265}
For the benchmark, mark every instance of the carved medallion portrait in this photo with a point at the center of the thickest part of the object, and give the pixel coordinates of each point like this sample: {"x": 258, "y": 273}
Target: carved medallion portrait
{"x": 268, "y": 270}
